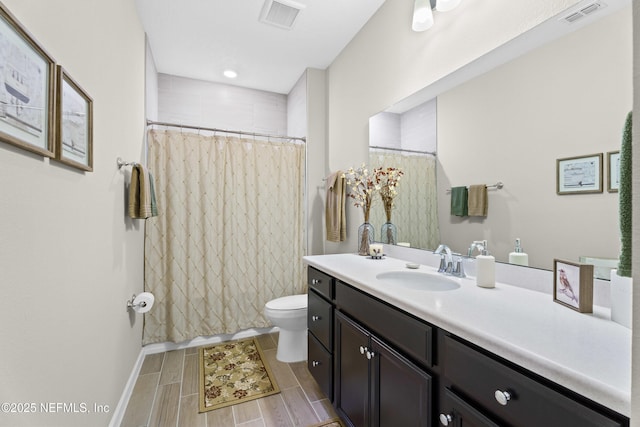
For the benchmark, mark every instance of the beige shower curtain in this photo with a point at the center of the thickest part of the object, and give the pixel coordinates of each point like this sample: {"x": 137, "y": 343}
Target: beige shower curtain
{"x": 229, "y": 234}
{"x": 416, "y": 210}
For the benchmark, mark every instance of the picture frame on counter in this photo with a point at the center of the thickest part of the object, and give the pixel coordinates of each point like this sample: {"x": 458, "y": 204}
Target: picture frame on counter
{"x": 613, "y": 166}
{"x": 27, "y": 95}
{"x": 573, "y": 285}
{"x": 74, "y": 124}
{"x": 579, "y": 175}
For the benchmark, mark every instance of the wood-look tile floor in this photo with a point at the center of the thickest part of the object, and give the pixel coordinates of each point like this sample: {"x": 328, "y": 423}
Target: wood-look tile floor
{"x": 166, "y": 394}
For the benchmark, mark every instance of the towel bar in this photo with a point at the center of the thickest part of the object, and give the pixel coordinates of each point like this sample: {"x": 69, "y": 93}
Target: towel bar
{"x": 498, "y": 185}
{"x": 122, "y": 163}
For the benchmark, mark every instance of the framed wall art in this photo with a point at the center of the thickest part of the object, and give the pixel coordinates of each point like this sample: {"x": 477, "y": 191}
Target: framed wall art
{"x": 74, "y": 131}
{"x": 613, "y": 166}
{"x": 27, "y": 89}
{"x": 573, "y": 285}
{"x": 578, "y": 175}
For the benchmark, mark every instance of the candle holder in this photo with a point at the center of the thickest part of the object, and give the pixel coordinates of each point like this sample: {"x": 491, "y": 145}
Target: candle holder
{"x": 375, "y": 250}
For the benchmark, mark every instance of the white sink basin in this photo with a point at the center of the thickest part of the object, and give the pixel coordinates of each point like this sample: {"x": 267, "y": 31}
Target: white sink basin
{"x": 419, "y": 281}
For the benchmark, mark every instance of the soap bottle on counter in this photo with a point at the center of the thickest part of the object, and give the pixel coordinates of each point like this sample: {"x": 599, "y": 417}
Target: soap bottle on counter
{"x": 518, "y": 256}
{"x": 485, "y": 269}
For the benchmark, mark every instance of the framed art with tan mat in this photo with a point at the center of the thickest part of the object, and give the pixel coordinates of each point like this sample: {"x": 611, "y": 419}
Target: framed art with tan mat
{"x": 233, "y": 372}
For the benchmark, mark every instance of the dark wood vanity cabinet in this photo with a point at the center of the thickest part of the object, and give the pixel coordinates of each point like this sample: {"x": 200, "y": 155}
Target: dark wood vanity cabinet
{"x": 375, "y": 385}
{"x": 320, "y": 327}
{"x": 381, "y": 366}
{"x": 377, "y": 379}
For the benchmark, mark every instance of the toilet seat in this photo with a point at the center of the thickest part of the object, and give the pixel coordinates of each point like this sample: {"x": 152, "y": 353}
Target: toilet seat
{"x": 291, "y": 302}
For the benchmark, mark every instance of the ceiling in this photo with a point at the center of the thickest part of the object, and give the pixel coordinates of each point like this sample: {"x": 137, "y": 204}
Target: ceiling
{"x": 201, "y": 38}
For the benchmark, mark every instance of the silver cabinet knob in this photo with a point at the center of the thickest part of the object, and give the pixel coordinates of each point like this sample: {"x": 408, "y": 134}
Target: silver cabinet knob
{"x": 363, "y": 349}
{"x": 370, "y": 355}
{"x": 503, "y": 397}
{"x": 315, "y": 363}
{"x": 446, "y": 419}
{"x": 315, "y": 281}
{"x": 315, "y": 318}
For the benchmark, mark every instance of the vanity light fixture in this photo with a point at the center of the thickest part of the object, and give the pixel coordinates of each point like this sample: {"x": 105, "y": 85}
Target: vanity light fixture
{"x": 423, "y": 12}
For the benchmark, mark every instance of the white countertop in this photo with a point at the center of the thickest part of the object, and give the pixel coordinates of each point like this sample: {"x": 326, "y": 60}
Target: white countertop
{"x": 587, "y": 353}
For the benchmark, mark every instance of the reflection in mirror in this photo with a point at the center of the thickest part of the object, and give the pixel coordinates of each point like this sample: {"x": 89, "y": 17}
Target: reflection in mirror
{"x": 510, "y": 122}
{"x": 407, "y": 141}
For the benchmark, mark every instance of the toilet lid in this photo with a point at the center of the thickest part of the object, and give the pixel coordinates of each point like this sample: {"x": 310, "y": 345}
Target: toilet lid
{"x": 292, "y": 302}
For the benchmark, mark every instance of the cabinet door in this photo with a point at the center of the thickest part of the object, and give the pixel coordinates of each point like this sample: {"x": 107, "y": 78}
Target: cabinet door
{"x": 456, "y": 412}
{"x": 352, "y": 372}
{"x": 400, "y": 391}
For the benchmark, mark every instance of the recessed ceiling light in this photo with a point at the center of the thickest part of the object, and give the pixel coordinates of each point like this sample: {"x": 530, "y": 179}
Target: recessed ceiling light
{"x": 230, "y": 74}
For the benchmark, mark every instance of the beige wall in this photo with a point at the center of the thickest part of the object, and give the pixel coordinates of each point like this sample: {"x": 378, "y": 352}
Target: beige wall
{"x": 565, "y": 99}
{"x": 69, "y": 258}
{"x": 316, "y": 112}
{"x": 387, "y": 61}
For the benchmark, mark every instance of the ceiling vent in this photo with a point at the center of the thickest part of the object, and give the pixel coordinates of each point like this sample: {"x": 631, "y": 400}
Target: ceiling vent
{"x": 280, "y": 13}
{"x": 582, "y": 12}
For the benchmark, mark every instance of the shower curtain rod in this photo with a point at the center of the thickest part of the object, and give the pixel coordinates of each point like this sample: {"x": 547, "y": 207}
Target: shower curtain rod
{"x": 238, "y": 132}
{"x": 403, "y": 150}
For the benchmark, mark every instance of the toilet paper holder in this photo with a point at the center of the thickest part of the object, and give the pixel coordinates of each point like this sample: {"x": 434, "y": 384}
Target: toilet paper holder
{"x": 141, "y": 303}
{"x": 134, "y": 305}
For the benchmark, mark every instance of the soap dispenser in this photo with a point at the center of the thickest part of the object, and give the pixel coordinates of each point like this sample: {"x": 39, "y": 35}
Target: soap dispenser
{"x": 485, "y": 269}
{"x": 518, "y": 256}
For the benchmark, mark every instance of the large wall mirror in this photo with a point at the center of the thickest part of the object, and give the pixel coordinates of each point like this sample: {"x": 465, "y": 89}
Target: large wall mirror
{"x": 561, "y": 90}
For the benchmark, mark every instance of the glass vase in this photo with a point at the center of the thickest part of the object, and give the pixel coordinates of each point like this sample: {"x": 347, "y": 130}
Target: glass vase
{"x": 366, "y": 235}
{"x": 389, "y": 233}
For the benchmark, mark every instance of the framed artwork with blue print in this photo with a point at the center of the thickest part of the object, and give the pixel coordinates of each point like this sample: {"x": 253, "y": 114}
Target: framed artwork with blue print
{"x": 27, "y": 83}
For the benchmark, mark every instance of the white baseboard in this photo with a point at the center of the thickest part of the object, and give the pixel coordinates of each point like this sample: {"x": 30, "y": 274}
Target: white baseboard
{"x": 118, "y": 413}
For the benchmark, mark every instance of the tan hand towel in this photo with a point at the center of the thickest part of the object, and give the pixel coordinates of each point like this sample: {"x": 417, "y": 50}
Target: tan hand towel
{"x": 335, "y": 211}
{"x": 478, "y": 200}
{"x": 141, "y": 193}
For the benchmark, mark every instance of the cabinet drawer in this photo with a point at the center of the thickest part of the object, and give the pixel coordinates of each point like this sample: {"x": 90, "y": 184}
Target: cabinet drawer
{"x": 320, "y": 319}
{"x": 457, "y": 412}
{"x": 320, "y": 282}
{"x": 320, "y": 365}
{"x": 481, "y": 379}
{"x": 410, "y": 335}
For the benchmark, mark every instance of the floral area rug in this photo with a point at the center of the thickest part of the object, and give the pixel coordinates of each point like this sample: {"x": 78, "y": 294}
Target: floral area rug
{"x": 233, "y": 372}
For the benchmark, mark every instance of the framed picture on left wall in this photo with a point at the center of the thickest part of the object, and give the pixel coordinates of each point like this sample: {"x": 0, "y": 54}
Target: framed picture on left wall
{"x": 74, "y": 132}
{"x": 27, "y": 89}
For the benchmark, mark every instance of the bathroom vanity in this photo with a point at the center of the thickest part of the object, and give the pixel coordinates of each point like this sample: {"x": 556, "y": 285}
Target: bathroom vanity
{"x": 394, "y": 353}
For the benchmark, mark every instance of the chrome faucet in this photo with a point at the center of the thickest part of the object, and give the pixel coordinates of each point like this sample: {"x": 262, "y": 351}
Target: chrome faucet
{"x": 450, "y": 263}
{"x": 480, "y": 245}
{"x": 458, "y": 266}
{"x": 446, "y": 259}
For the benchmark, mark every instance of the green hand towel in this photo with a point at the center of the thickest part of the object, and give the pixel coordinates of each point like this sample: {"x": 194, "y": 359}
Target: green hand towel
{"x": 624, "y": 266}
{"x": 459, "y": 201}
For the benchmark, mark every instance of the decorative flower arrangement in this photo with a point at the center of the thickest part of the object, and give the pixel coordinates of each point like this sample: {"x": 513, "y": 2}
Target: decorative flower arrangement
{"x": 388, "y": 179}
{"x": 364, "y": 186}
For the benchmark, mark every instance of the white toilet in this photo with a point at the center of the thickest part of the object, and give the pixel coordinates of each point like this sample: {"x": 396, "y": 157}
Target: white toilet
{"x": 290, "y": 315}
